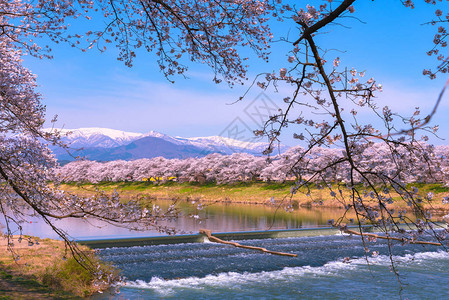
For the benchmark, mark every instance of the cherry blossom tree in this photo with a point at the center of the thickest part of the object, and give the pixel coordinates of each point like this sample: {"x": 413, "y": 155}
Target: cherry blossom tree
{"x": 26, "y": 168}
{"x": 214, "y": 32}
{"x": 320, "y": 85}
{"x": 177, "y": 31}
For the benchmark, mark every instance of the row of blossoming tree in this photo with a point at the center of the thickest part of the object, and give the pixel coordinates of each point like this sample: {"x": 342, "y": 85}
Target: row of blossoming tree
{"x": 429, "y": 166}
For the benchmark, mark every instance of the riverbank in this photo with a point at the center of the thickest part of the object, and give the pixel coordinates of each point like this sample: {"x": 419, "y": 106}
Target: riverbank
{"x": 247, "y": 193}
{"x": 45, "y": 271}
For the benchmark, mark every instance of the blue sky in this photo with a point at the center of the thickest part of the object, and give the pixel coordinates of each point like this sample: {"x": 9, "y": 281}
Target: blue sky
{"x": 95, "y": 90}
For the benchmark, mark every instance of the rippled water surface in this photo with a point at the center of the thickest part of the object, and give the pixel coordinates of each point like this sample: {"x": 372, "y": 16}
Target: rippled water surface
{"x": 327, "y": 267}
{"x": 219, "y": 217}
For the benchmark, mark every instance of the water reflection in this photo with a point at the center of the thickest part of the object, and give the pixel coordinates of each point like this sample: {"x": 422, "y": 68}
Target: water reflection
{"x": 219, "y": 217}
{"x": 243, "y": 217}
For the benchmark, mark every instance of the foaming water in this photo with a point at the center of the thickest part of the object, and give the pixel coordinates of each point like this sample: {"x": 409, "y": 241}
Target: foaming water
{"x": 326, "y": 267}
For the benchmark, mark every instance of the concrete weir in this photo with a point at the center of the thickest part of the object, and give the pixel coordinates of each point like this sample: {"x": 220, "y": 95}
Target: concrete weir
{"x": 200, "y": 238}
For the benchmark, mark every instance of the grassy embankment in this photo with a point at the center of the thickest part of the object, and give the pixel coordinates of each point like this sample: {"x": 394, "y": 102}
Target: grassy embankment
{"x": 254, "y": 193}
{"x": 43, "y": 272}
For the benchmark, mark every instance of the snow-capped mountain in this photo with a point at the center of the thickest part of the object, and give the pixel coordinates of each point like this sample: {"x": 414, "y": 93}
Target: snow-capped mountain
{"x": 97, "y": 137}
{"x": 224, "y": 145}
{"x": 217, "y": 143}
{"x": 106, "y": 144}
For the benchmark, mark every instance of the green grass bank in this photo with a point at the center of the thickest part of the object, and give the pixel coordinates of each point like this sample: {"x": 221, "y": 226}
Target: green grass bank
{"x": 250, "y": 193}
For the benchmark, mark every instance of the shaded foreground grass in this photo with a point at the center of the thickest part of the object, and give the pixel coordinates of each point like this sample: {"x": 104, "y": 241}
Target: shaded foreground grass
{"x": 45, "y": 272}
{"x": 19, "y": 287}
{"x": 255, "y": 192}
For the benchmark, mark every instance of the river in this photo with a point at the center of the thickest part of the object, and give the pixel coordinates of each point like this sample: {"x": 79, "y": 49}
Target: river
{"x": 327, "y": 267}
{"x": 219, "y": 217}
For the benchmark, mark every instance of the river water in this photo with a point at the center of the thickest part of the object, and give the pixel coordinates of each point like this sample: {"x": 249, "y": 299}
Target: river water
{"x": 218, "y": 217}
{"x": 327, "y": 267}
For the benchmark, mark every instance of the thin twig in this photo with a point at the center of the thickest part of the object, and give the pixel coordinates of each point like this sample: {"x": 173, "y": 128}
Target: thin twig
{"x": 391, "y": 238}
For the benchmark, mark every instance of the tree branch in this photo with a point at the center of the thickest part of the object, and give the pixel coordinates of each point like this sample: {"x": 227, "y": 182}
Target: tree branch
{"x": 323, "y": 22}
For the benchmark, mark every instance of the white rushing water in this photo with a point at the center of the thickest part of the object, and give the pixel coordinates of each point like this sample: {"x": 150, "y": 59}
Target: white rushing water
{"x": 327, "y": 267}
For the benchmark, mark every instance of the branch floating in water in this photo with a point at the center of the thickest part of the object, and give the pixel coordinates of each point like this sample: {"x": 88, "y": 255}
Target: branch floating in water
{"x": 211, "y": 238}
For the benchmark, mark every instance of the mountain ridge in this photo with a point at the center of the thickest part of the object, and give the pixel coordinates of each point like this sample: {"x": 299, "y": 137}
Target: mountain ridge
{"x": 104, "y": 144}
